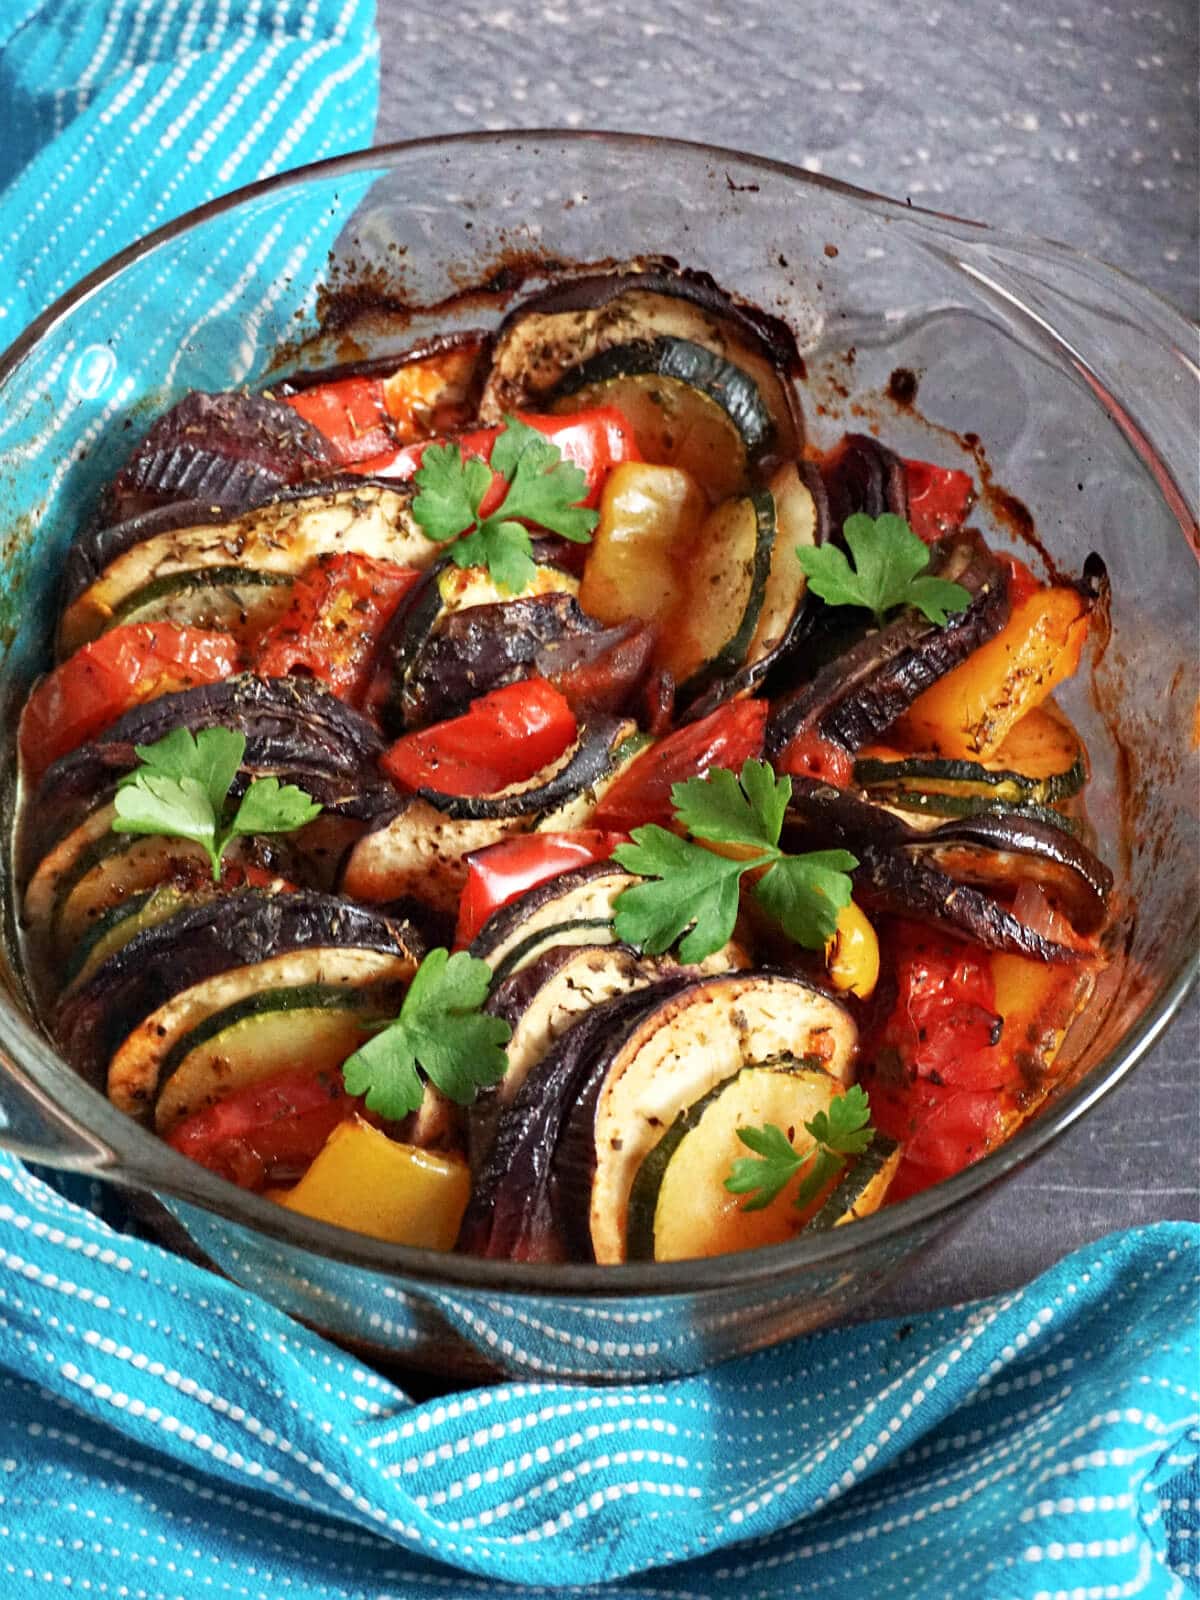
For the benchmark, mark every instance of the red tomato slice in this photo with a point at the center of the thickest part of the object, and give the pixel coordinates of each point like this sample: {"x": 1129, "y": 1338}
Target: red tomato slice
{"x": 811, "y": 756}
{"x": 727, "y": 737}
{"x": 498, "y": 875}
{"x": 117, "y": 671}
{"x": 268, "y": 1132}
{"x": 332, "y": 627}
{"x": 351, "y": 413}
{"x": 594, "y": 440}
{"x": 938, "y": 499}
{"x": 506, "y": 737}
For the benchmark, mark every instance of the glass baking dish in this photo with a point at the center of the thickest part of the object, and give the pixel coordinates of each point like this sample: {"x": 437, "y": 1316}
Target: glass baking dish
{"x": 1081, "y": 387}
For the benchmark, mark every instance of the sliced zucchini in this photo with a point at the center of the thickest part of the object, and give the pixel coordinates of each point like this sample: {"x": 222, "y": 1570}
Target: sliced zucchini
{"x": 311, "y": 1025}
{"x": 862, "y": 1188}
{"x": 280, "y": 538}
{"x": 574, "y": 908}
{"x": 136, "y": 1069}
{"x": 422, "y": 849}
{"x": 679, "y": 1207}
{"x": 725, "y": 589}
{"x": 563, "y": 328}
{"x": 798, "y": 526}
{"x": 116, "y": 926}
{"x": 687, "y": 406}
{"x": 937, "y": 803}
{"x": 228, "y": 599}
{"x": 674, "y": 1055}
{"x": 1041, "y": 761}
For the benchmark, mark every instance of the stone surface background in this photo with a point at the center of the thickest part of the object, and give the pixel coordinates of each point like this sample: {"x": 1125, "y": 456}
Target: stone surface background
{"x": 1069, "y": 119}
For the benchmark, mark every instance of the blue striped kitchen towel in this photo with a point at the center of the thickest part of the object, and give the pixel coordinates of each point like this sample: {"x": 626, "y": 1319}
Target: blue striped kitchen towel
{"x": 165, "y": 1435}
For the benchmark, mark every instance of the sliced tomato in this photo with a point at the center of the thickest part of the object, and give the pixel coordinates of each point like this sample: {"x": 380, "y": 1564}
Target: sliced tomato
{"x": 811, "y": 756}
{"x": 594, "y": 441}
{"x": 332, "y": 627}
{"x": 351, "y": 413}
{"x": 938, "y": 499}
{"x": 117, "y": 671}
{"x": 727, "y": 737}
{"x": 498, "y": 875}
{"x": 506, "y": 737}
{"x": 268, "y": 1132}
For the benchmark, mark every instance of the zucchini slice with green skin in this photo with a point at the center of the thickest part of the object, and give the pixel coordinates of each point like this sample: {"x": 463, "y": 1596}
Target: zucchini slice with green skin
{"x": 957, "y": 779}
{"x": 281, "y": 538}
{"x": 938, "y": 804}
{"x": 687, "y": 406}
{"x": 679, "y": 1207}
{"x": 725, "y": 589}
{"x": 314, "y": 1025}
{"x": 422, "y": 848}
{"x": 862, "y": 1187}
{"x": 115, "y": 927}
{"x": 675, "y": 1053}
{"x": 573, "y": 908}
{"x": 226, "y": 599}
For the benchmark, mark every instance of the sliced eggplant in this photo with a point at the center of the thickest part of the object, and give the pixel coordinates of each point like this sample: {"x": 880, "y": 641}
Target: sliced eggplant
{"x": 574, "y": 908}
{"x": 169, "y": 977}
{"x": 676, "y": 1051}
{"x": 567, "y": 325}
{"x": 896, "y": 882}
{"x": 314, "y": 1025}
{"x": 515, "y": 1212}
{"x": 422, "y": 846}
{"x": 914, "y": 804}
{"x": 1002, "y": 852}
{"x": 229, "y": 448}
{"x": 857, "y": 695}
{"x": 279, "y": 538}
{"x": 862, "y": 476}
{"x": 679, "y": 1208}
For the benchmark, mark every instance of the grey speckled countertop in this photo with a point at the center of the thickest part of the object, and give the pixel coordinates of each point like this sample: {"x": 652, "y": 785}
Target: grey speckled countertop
{"x": 1079, "y": 123}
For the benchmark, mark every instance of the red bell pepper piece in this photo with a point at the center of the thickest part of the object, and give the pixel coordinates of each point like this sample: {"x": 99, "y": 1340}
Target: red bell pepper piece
{"x": 504, "y": 738}
{"x": 498, "y": 875}
{"x": 106, "y": 678}
{"x": 594, "y": 441}
{"x": 332, "y": 627}
{"x": 811, "y": 756}
{"x": 938, "y": 499}
{"x": 351, "y": 413}
{"x": 727, "y": 737}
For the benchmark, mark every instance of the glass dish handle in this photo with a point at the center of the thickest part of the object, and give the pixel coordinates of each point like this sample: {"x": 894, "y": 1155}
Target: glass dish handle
{"x": 33, "y": 1127}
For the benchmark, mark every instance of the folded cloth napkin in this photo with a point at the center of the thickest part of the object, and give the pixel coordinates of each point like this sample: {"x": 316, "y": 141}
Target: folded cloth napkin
{"x": 165, "y": 1434}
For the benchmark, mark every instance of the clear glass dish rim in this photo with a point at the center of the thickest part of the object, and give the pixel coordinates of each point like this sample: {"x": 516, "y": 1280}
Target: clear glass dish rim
{"x": 164, "y": 1170}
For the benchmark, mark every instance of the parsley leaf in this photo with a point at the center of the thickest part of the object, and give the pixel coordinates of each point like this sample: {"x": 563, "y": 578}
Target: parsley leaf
{"x": 442, "y": 1031}
{"x": 690, "y": 887}
{"x": 180, "y": 790}
{"x": 888, "y": 557}
{"x": 843, "y": 1131}
{"x": 541, "y": 488}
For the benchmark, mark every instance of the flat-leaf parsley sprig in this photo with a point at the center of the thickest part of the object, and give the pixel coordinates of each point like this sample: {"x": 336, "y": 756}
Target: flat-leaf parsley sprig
{"x": 441, "y": 1031}
{"x": 541, "y": 488}
{"x": 888, "y": 558}
{"x": 691, "y": 887}
{"x": 837, "y": 1134}
{"x": 180, "y": 790}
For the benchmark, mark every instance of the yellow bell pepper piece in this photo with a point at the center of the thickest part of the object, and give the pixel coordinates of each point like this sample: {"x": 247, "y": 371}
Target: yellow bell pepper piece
{"x": 649, "y": 518}
{"x": 969, "y": 712}
{"x": 364, "y": 1181}
{"x": 852, "y": 955}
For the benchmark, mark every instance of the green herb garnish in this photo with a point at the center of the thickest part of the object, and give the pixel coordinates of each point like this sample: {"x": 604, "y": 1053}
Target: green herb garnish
{"x": 181, "y": 791}
{"x": 837, "y": 1134}
{"x": 543, "y": 489}
{"x": 888, "y": 558}
{"x": 691, "y": 887}
{"x": 442, "y": 1031}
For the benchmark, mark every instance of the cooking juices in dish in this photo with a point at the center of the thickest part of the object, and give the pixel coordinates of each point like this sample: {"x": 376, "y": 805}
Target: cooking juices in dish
{"x": 531, "y": 800}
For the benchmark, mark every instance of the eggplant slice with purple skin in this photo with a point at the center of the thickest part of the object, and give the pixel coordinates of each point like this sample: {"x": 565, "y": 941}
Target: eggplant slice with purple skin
{"x": 239, "y": 930}
{"x": 295, "y": 730}
{"x": 515, "y": 1212}
{"x": 937, "y": 874}
{"x": 228, "y": 448}
{"x": 861, "y": 692}
{"x": 862, "y": 476}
